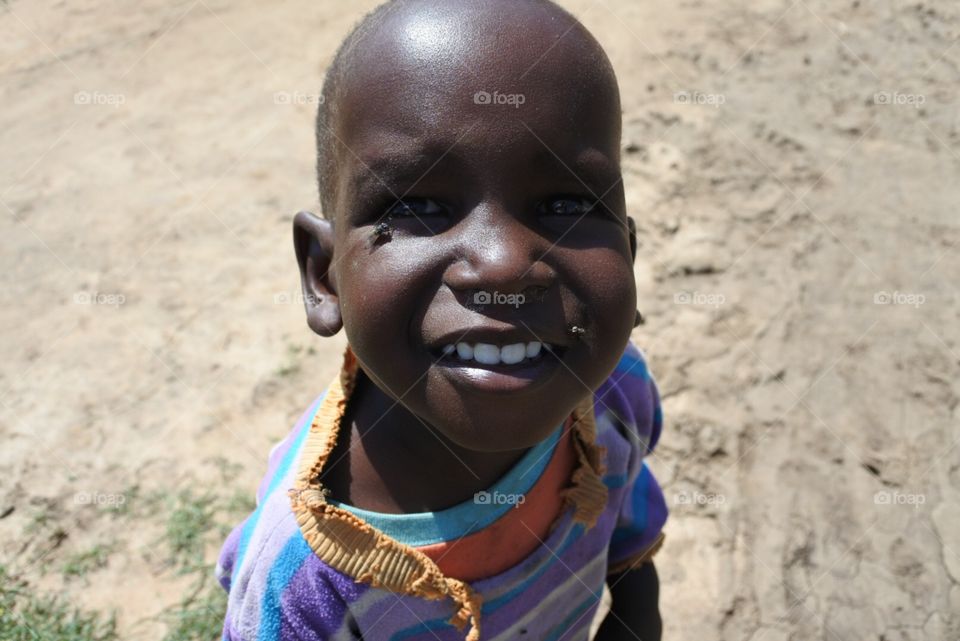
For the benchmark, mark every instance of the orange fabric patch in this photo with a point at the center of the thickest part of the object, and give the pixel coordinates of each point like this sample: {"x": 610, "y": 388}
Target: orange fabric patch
{"x": 516, "y": 534}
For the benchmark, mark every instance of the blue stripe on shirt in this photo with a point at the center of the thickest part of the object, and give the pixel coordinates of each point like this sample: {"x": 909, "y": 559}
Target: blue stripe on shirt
{"x": 287, "y": 563}
{"x": 633, "y": 366}
{"x": 638, "y": 507}
{"x": 281, "y": 472}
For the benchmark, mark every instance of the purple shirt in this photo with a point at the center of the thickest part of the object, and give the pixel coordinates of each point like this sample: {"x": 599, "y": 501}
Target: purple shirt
{"x": 280, "y": 587}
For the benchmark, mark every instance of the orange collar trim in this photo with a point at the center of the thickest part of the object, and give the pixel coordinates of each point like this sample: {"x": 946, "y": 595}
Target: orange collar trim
{"x": 352, "y": 546}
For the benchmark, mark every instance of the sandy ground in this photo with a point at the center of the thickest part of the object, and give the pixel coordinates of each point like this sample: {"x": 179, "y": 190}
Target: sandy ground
{"x": 793, "y": 169}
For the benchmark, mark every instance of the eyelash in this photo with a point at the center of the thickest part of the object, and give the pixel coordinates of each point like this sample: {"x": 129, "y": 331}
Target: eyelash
{"x": 402, "y": 208}
{"x": 588, "y": 206}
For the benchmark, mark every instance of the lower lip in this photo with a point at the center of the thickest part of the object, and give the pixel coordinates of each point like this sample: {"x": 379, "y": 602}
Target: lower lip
{"x": 500, "y": 378}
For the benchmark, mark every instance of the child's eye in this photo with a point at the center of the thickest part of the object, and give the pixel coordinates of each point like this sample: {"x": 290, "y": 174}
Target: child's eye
{"x": 414, "y": 207}
{"x": 568, "y": 206}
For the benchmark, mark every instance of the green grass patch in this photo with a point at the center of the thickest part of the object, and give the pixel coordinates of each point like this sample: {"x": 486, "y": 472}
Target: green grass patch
{"x": 199, "y": 616}
{"x": 195, "y": 520}
{"x": 25, "y": 616}
{"x": 193, "y": 524}
{"x": 80, "y": 564}
{"x": 191, "y": 518}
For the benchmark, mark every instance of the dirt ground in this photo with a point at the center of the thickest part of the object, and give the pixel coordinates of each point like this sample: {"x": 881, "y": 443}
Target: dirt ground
{"x": 793, "y": 169}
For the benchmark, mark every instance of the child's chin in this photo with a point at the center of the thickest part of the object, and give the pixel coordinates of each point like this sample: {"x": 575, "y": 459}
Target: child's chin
{"x": 495, "y": 435}
{"x": 484, "y": 425}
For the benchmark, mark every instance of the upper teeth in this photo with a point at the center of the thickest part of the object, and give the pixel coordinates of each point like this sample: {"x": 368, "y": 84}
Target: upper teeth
{"x": 489, "y": 354}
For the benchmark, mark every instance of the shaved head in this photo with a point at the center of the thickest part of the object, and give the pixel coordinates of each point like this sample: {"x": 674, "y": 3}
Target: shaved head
{"x": 434, "y": 52}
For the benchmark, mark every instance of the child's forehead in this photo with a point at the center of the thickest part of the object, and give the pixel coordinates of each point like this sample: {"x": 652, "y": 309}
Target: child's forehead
{"x": 425, "y": 81}
{"x": 493, "y": 40}
{"x": 428, "y": 51}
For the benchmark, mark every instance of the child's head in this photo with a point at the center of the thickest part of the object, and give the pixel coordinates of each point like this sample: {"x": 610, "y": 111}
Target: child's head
{"x": 470, "y": 180}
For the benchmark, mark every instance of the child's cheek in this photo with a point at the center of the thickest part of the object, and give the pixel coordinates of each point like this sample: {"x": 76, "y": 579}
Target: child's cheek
{"x": 604, "y": 283}
{"x": 378, "y": 296}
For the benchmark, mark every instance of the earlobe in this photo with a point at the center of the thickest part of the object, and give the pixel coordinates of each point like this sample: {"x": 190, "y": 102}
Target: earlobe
{"x": 313, "y": 244}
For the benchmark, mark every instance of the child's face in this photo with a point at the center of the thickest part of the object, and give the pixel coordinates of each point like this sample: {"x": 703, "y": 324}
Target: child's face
{"x": 492, "y": 200}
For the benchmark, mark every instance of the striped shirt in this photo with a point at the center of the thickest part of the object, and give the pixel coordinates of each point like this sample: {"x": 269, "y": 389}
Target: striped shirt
{"x": 527, "y": 558}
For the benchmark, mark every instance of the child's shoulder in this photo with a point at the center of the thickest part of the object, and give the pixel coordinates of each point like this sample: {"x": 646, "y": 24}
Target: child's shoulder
{"x": 630, "y": 393}
{"x": 629, "y": 402}
{"x": 271, "y": 525}
{"x": 632, "y": 367}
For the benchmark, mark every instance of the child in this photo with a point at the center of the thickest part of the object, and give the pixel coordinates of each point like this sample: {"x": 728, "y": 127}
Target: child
{"x": 476, "y": 469}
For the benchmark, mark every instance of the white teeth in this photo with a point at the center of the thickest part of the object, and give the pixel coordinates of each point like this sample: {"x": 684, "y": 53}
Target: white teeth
{"x": 513, "y": 354}
{"x": 486, "y": 353}
{"x": 489, "y": 354}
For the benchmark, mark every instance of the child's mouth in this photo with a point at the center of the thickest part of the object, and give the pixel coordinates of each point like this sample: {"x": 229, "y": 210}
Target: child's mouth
{"x": 499, "y": 368}
{"x": 488, "y": 354}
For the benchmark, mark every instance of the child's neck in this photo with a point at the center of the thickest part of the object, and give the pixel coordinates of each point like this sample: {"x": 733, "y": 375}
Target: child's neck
{"x": 388, "y": 460}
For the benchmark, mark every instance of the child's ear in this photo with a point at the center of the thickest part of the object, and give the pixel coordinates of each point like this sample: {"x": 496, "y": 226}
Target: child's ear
{"x": 632, "y": 227}
{"x": 313, "y": 242}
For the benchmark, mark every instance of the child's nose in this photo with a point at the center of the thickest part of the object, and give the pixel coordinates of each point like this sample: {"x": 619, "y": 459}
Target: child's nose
{"x": 501, "y": 254}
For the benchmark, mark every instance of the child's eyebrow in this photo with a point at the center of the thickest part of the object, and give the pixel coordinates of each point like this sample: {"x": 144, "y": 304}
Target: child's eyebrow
{"x": 588, "y": 165}
{"x": 396, "y": 159}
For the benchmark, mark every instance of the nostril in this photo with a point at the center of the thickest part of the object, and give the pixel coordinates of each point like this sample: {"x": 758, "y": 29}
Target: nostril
{"x": 505, "y": 272}
{"x": 535, "y": 294}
